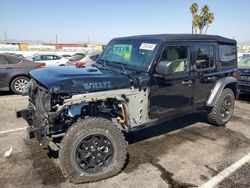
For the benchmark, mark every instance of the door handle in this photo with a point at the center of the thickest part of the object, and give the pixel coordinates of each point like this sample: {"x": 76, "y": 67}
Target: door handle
{"x": 188, "y": 82}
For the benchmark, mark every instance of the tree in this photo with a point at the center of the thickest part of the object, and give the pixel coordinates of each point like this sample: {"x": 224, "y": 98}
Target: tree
{"x": 202, "y": 20}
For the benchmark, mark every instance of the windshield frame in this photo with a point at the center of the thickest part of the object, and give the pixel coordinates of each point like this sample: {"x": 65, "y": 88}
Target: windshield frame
{"x": 118, "y": 64}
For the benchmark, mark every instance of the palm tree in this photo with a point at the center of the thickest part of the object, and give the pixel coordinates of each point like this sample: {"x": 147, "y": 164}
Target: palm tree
{"x": 210, "y": 19}
{"x": 194, "y": 10}
{"x": 202, "y": 20}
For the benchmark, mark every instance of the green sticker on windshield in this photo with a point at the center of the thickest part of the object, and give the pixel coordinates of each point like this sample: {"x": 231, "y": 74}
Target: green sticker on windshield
{"x": 123, "y": 50}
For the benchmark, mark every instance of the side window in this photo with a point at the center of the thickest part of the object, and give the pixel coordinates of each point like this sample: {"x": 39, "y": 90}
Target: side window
{"x": 37, "y": 58}
{"x": 178, "y": 55}
{"x": 205, "y": 56}
{"x": 56, "y": 57}
{"x": 3, "y": 61}
{"x": 227, "y": 55}
{"x": 47, "y": 57}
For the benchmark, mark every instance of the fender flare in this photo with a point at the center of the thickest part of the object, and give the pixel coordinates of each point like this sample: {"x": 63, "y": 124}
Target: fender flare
{"x": 218, "y": 88}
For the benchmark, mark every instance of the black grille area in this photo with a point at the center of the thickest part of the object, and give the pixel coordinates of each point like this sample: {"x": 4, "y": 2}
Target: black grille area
{"x": 244, "y": 88}
{"x": 40, "y": 99}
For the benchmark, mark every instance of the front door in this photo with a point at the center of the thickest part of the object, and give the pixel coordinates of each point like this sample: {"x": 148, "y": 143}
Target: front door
{"x": 172, "y": 94}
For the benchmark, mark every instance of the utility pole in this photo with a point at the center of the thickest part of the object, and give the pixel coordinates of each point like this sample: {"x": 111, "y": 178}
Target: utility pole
{"x": 93, "y": 36}
{"x": 5, "y": 36}
{"x": 56, "y": 41}
{"x": 88, "y": 38}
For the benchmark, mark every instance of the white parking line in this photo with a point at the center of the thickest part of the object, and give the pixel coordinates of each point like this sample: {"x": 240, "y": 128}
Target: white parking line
{"x": 226, "y": 172}
{"x": 13, "y": 130}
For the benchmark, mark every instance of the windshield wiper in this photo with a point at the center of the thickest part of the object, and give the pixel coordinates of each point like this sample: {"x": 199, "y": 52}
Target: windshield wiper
{"x": 104, "y": 65}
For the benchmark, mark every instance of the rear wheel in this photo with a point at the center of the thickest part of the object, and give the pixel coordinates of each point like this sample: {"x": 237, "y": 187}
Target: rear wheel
{"x": 223, "y": 108}
{"x": 18, "y": 84}
{"x": 92, "y": 149}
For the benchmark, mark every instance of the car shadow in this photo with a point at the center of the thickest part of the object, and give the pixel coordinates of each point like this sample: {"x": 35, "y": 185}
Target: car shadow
{"x": 244, "y": 98}
{"x": 4, "y": 93}
{"x": 163, "y": 128}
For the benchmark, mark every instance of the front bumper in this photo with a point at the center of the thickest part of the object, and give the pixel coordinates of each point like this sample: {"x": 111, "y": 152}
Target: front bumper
{"x": 35, "y": 129}
{"x": 244, "y": 88}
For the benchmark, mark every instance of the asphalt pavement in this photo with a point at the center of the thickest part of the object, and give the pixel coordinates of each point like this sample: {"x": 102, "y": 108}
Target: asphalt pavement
{"x": 185, "y": 152}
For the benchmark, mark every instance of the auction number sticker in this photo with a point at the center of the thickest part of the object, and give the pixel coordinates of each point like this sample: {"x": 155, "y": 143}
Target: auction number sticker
{"x": 147, "y": 46}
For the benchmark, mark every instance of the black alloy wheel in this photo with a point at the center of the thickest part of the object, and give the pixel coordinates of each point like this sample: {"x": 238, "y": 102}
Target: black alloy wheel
{"x": 226, "y": 108}
{"x": 92, "y": 149}
{"x": 94, "y": 153}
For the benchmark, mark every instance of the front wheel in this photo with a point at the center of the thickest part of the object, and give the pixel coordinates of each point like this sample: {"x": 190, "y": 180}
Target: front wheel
{"x": 223, "y": 108}
{"x": 93, "y": 149}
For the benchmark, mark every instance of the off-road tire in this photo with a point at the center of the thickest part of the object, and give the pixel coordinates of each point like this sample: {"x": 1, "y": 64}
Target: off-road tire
{"x": 215, "y": 117}
{"x": 81, "y": 130}
{"x": 14, "y": 81}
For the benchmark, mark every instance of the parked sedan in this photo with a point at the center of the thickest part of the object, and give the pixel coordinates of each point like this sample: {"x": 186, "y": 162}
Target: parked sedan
{"x": 49, "y": 59}
{"x": 14, "y": 54}
{"x": 81, "y": 59}
{"x": 14, "y": 72}
{"x": 244, "y": 79}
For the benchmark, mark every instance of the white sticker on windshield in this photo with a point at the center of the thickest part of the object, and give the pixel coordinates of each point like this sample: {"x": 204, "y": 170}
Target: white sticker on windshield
{"x": 147, "y": 46}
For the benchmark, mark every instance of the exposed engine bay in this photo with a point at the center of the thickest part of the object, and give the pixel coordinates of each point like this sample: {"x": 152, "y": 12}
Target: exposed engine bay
{"x": 51, "y": 114}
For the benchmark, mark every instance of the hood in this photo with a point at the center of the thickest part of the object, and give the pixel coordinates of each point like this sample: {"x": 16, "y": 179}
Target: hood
{"x": 70, "y": 80}
{"x": 244, "y": 75}
{"x": 244, "y": 70}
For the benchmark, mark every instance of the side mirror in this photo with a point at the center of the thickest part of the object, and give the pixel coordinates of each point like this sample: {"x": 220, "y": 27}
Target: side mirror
{"x": 164, "y": 67}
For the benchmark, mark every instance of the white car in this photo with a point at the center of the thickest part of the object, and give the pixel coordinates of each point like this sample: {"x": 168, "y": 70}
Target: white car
{"x": 83, "y": 59}
{"x": 49, "y": 59}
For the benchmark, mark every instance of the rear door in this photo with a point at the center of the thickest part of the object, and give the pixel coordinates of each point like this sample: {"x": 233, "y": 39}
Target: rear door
{"x": 50, "y": 60}
{"x": 203, "y": 70}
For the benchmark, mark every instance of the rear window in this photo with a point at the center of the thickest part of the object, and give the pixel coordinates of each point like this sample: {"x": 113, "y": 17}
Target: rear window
{"x": 227, "y": 55}
{"x": 3, "y": 61}
{"x": 77, "y": 57}
{"x": 12, "y": 60}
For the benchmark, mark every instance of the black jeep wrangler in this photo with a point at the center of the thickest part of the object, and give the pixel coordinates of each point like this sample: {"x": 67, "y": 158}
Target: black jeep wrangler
{"x": 137, "y": 81}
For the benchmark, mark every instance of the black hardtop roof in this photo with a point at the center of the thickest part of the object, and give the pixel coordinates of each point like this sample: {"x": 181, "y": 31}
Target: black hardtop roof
{"x": 182, "y": 37}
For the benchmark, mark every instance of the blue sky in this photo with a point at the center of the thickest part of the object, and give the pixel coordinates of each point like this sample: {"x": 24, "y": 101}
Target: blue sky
{"x": 75, "y": 20}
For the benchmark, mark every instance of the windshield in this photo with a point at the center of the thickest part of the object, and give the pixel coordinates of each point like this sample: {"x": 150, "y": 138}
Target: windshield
{"x": 135, "y": 53}
{"x": 244, "y": 62}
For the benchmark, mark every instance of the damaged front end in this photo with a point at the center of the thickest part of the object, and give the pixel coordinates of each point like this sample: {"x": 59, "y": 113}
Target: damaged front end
{"x": 41, "y": 113}
{"x": 54, "y": 107}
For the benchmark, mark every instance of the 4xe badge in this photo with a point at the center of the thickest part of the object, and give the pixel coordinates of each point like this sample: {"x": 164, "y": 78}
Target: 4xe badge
{"x": 97, "y": 85}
